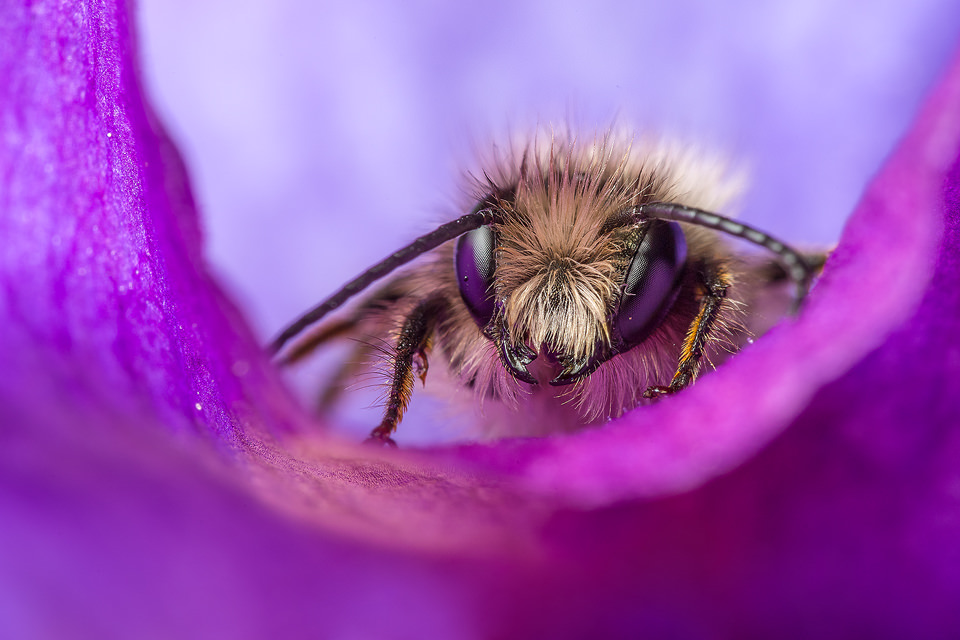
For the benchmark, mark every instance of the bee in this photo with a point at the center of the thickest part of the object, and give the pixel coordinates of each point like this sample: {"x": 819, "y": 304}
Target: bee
{"x": 588, "y": 278}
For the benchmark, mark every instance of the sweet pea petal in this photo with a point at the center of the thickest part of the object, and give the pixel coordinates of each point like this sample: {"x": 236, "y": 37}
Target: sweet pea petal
{"x": 157, "y": 481}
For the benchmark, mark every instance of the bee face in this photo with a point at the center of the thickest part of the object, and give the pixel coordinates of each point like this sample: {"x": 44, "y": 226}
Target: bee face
{"x": 563, "y": 277}
{"x": 592, "y": 267}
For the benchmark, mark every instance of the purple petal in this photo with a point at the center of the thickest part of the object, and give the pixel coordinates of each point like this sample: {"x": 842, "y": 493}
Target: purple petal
{"x": 104, "y": 279}
{"x": 156, "y": 480}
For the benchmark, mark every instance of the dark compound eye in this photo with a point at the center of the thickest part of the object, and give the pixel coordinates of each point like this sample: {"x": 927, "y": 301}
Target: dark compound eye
{"x": 475, "y": 263}
{"x": 652, "y": 282}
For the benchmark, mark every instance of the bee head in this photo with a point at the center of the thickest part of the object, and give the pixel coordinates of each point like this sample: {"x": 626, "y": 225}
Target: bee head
{"x": 577, "y": 295}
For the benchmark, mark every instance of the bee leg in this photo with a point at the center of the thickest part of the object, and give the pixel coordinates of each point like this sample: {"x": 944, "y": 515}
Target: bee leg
{"x": 328, "y": 332}
{"x": 413, "y": 343}
{"x": 715, "y": 282}
{"x": 330, "y": 393}
{"x": 358, "y": 360}
{"x": 333, "y": 330}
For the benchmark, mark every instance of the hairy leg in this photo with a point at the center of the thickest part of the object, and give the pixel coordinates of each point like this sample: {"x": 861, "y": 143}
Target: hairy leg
{"x": 715, "y": 281}
{"x": 409, "y": 359}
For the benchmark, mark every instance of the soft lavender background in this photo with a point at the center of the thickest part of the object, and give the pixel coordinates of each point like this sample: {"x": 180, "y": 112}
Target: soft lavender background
{"x": 321, "y": 136}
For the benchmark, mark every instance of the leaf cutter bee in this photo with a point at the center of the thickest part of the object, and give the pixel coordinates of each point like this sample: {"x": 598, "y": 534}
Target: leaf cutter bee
{"x": 587, "y": 279}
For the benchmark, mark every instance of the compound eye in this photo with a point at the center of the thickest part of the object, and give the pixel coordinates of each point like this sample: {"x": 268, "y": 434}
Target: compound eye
{"x": 652, "y": 282}
{"x": 475, "y": 263}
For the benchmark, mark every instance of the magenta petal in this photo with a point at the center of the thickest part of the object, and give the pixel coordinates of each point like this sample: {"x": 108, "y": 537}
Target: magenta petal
{"x": 808, "y": 488}
{"x": 104, "y": 281}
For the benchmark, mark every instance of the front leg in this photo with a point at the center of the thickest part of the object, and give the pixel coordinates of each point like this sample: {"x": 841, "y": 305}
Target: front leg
{"x": 410, "y": 354}
{"x": 716, "y": 280}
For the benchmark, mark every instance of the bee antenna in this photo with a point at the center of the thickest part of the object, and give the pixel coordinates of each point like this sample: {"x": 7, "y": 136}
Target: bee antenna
{"x": 796, "y": 266}
{"x": 447, "y": 231}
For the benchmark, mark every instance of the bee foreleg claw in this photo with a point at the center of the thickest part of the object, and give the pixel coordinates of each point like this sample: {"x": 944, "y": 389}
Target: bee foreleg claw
{"x": 381, "y": 436}
{"x": 657, "y": 392}
{"x": 420, "y": 365}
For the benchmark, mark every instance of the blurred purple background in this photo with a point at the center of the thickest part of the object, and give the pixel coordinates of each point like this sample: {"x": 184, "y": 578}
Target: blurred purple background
{"x": 321, "y": 136}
